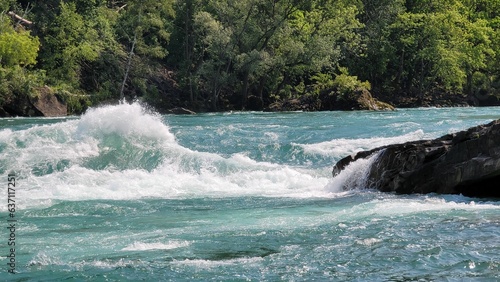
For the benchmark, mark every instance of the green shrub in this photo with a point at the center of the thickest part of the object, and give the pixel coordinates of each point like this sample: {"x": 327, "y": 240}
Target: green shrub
{"x": 76, "y": 103}
{"x": 322, "y": 81}
{"x": 345, "y": 83}
{"x": 16, "y": 80}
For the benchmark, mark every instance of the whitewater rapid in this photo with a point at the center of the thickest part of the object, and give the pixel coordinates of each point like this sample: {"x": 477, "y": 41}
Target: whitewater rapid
{"x": 127, "y": 152}
{"x": 122, "y": 193}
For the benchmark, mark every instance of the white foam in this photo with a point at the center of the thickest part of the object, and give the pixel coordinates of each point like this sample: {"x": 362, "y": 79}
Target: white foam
{"x": 390, "y": 206}
{"x": 43, "y": 146}
{"x": 404, "y": 125}
{"x": 353, "y": 176}
{"x": 140, "y": 246}
{"x": 368, "y": 241}
{"x": 180, "y": 172}
{"x": 107, "y": 264}
{"x": 42, "y": 259}
{"x": 169, "y": 182}
{"x": 126, "y": 120}
{"x": 62, "y": 150}
{"x": 394, "y": 205}
{"x": 201, "y": 263}
{"x": 342, "y": 147}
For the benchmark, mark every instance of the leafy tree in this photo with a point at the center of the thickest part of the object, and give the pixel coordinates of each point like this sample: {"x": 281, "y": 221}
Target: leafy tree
{"x": 318, "y": 38}
{"x": 227, "y": 52}
{"x": 216, "y": 45}
{"x": 440, "y": 49}
{"x": 486, "y": 15}
{"x": 102, "y": 77}
{"x": 17, "y": 47}
{"x": 183, "y": 44}
{"x": 18, "y": 50}
{"x": 253, "y": 45}
{"x": 378, "y": 48}
{"x": 145, "y": 26}
{"x": 69, "y": 42}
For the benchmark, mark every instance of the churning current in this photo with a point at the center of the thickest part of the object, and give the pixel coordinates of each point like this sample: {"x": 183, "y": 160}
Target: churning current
{"x": 122, "y": 193}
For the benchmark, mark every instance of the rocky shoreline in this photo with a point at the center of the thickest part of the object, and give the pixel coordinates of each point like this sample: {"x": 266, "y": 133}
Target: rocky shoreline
{"x": 46, "y": 102}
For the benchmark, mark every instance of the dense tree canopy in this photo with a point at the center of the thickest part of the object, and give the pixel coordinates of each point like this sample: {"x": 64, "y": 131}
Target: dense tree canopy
{"x": 222, "y": 55}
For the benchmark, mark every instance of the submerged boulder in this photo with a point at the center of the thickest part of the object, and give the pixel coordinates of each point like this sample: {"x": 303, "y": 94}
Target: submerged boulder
{"x": 466, "y": 162}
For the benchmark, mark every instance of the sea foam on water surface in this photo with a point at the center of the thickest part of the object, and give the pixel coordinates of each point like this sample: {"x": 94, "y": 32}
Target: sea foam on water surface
{"x": 342, "y": 147}
{"x": 140, "y": 246}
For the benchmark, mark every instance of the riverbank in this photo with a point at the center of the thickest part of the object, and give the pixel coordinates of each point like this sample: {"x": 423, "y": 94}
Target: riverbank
{"x": 47, "y": 102}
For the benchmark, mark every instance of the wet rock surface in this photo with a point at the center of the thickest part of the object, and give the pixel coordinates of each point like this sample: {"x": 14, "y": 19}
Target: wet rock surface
{"x": 466, "y": 162}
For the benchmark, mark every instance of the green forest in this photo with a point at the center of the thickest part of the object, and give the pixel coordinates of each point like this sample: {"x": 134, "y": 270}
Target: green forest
{"x": 214, "y": 55}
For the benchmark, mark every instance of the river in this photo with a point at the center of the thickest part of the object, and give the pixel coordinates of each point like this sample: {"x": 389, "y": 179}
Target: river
{"x": 124, "y": 194}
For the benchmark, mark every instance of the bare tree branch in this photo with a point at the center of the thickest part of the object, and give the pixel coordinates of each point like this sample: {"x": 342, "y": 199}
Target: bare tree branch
{"x": 19, "y": 18}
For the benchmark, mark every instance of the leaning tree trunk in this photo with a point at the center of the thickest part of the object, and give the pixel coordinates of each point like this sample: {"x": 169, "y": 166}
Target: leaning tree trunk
{"x": 244, "y": 90}
{"x": 129, "y": 63}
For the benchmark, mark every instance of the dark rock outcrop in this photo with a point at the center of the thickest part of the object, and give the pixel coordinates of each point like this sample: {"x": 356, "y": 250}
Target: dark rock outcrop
{"x": 466, "y": 162}
{"x": 485, "y": 99}
{"x": 359, "y": 99}
{"x": 48, "y": 104}
{"x": 43, "y": 103}
{"x": 19, "y": 105}
{"x": 254, "y": 103}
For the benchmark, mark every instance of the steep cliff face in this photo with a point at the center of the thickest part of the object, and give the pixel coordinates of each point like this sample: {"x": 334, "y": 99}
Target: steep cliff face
{"x": 467, "y": 162}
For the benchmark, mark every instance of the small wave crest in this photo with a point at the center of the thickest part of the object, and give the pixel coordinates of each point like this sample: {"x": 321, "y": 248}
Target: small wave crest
{"x": 339, "y": 148}
{"x": 202, "y": 263}
{"x": 123, "y": 152}
{"x": 140, "y": 246}
{"x": 131, "y": 120}
{"x": 43, "y": 259}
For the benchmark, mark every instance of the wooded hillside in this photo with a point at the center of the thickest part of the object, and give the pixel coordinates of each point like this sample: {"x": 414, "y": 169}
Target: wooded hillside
{"x": 229, "y": 55}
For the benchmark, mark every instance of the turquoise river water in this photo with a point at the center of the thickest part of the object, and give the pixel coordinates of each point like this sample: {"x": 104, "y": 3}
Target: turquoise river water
{"x": 123, "y": 194}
